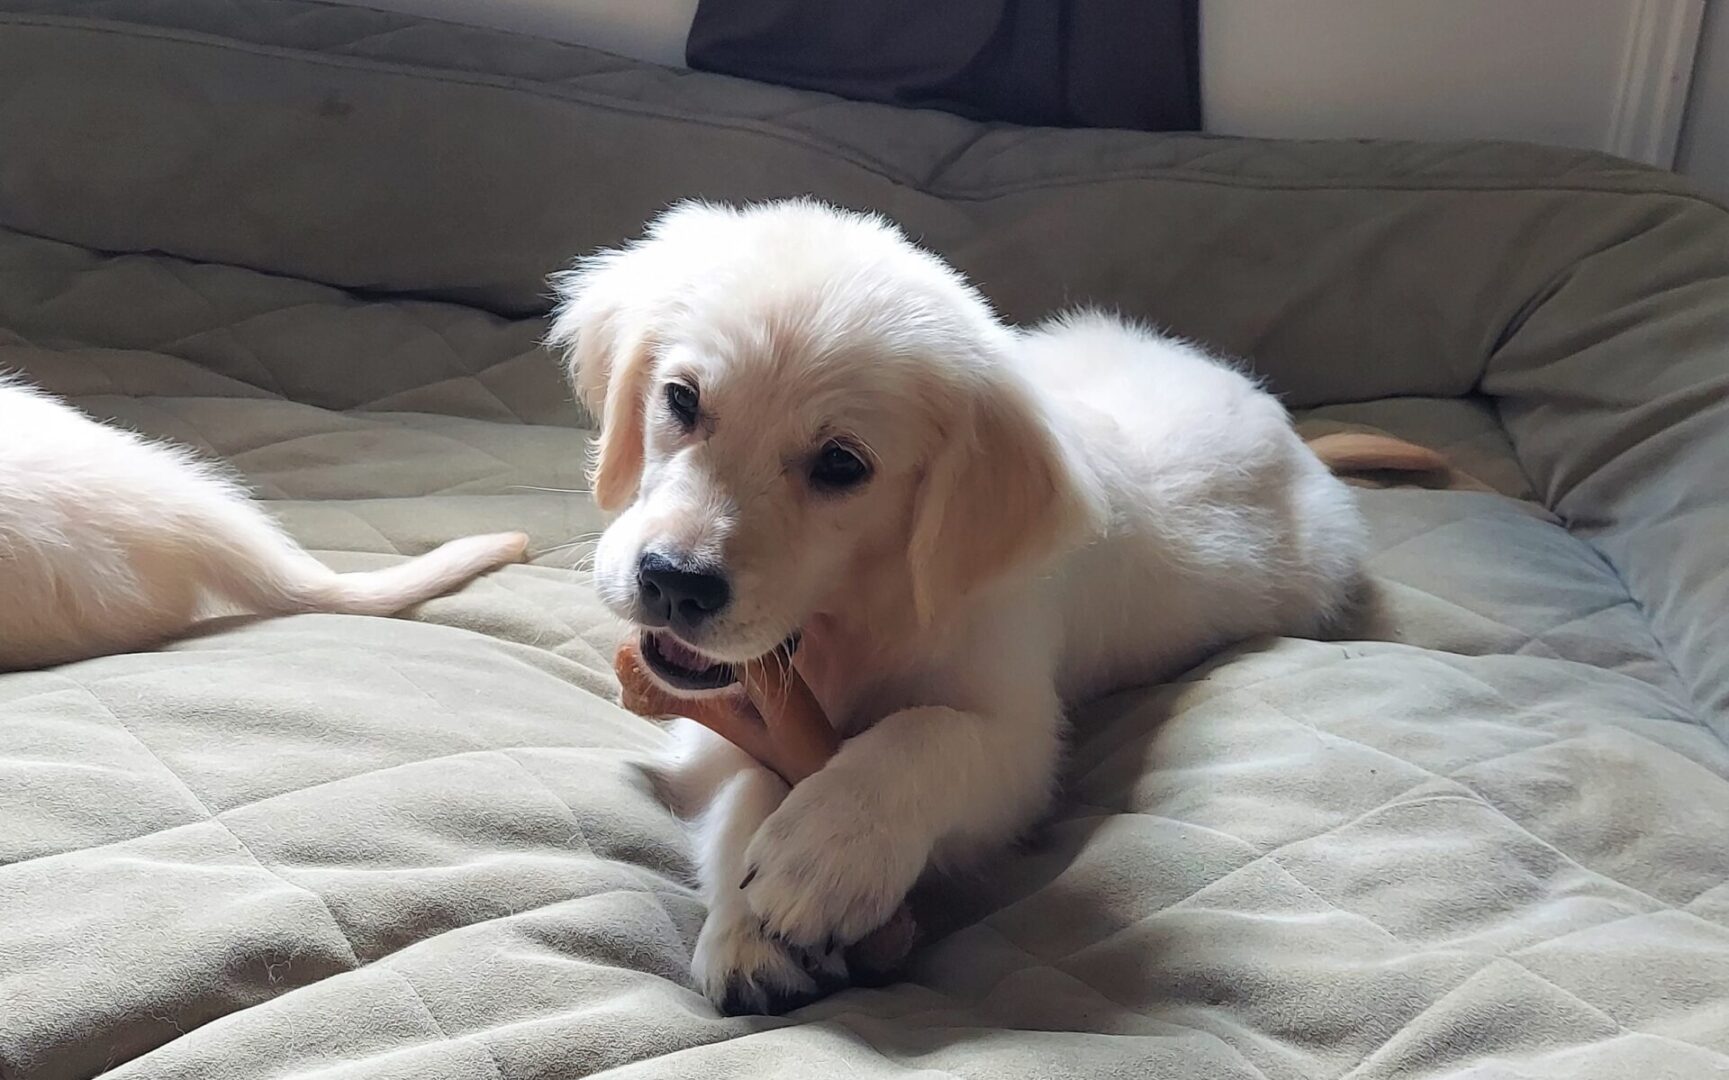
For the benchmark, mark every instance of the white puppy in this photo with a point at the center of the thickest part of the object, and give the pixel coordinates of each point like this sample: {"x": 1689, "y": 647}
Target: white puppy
{"x": 813, "y": 428}
{"x": 112, "y": 543}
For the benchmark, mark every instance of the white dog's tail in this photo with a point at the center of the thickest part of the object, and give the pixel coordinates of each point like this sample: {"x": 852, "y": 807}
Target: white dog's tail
{"x": 253, "y": 564}
{"x": 1359, "y": 451}
{"x": 388, "y": 591}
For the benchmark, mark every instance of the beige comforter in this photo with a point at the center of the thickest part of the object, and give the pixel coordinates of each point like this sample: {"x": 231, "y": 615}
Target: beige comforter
{"x": 1487, "y": 836}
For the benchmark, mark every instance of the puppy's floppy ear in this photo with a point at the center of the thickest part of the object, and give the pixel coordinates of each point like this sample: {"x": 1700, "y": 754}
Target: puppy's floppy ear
{"x": 1001, "y": 494}
{"x": 603, "y": 328}
{"x": 609, "y": 307}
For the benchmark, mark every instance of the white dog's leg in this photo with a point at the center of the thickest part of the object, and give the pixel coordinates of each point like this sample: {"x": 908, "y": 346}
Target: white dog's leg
{"x": 736, "y": 965}
{"x": 839, "y": 855}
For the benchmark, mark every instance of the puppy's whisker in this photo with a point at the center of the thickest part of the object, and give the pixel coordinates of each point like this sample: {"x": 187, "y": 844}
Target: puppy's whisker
{"x": 588, "y": 538}
{"x": 556, "y": 548}
{"x": 584, "y": 562}
{"x": 555, "y": 490}
{"x": 781, "y": 660}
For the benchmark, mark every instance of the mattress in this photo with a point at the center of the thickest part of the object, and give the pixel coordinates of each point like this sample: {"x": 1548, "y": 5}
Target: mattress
{"x": 1481, "y": 836}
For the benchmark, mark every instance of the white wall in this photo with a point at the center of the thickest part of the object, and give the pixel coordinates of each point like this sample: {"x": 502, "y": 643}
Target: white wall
{"x": 1705, "y": 140}
{"x": 1600, "y": 74}
{"x": 651, "y": 30}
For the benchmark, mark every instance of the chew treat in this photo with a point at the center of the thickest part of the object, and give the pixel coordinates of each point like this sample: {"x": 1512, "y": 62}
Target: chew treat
{"x": 771, "y": 715}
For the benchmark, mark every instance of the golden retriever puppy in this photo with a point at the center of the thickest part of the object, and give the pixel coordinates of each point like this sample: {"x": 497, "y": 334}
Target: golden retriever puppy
{"x": 814, "y": 430}
{"x": 112, "y": 543}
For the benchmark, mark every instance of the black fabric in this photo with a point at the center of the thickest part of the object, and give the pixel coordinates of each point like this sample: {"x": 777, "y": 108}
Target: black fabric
{"x": 1063, "y": 63}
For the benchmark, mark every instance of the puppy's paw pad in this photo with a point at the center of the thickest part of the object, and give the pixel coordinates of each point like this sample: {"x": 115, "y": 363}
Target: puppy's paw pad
{"x": 745, "y": 996}
{"x": 745, "y": 972}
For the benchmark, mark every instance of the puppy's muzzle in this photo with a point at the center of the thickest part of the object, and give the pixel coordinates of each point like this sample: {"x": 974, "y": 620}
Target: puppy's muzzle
{"x": 678, "y": 595}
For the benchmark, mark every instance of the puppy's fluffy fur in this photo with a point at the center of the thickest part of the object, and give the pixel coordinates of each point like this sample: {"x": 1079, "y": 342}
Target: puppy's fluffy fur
{"x": 1050, "y": 514}
{"x": 112, "y": 543}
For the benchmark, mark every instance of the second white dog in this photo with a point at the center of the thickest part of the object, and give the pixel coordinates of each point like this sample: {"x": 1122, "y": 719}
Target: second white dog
{"x": 110, "y": 542}
{"x": 812, "y": 428}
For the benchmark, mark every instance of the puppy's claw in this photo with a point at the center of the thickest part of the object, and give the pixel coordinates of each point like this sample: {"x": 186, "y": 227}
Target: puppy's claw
{"x": 744, "y": 998}
{"x": 748, "y": 878}
{"x": 828, "y": 971}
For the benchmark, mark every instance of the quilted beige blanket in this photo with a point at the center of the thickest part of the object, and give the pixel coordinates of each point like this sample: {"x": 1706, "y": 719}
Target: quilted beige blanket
{"x": 1487, "y": 836}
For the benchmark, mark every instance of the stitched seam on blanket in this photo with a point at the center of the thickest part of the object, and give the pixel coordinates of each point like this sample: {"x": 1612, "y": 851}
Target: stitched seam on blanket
{"x": 1510, "y": 957}
{"x": 341, "y": 931}
{"x": 1263, "y": 856}
{"x": 634, "y": 871}
{"x": 289, "y": 794}
{"x": 274, "y": 384}
{"x": 1491, "y": 804}
{"x": 464, "y": 371}
{"x": 1039, "y": 961}
{"x": 438, "y": 1025}
{"x": 1431, "y": 1006}
{"x": 325, "y": 904}
{"x": 1469, "y": 795}
{"x": 1489, "y": 957}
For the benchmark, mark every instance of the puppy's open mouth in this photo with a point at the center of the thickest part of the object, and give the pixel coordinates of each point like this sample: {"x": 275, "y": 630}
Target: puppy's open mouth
{"x": 680, "y": 666}
{"x": 683, "y": 668}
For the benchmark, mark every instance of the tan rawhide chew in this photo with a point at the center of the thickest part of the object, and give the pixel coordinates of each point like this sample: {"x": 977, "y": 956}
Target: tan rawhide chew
{"x": 1350, "y": 454}
{"x": 1350, "y": 451}
{"x": 772, "y": 716}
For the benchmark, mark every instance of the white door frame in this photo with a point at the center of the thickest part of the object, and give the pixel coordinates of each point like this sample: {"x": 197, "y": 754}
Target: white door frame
{"x": 1655, "y": 76}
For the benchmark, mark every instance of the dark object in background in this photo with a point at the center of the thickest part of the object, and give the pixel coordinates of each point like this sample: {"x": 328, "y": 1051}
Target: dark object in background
{"x": 1064, "y": 63}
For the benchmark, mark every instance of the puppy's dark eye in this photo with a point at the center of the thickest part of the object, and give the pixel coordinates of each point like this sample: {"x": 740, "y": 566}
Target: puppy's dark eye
{"x": 681, "y": 400}
{"x": 836, "y": 467}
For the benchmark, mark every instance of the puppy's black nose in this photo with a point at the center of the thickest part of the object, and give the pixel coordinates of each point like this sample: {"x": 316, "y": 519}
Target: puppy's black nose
{"x": 678, "y": 596}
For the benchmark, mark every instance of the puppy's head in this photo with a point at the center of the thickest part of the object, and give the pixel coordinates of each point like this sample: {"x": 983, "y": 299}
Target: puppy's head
{"x": 801, "y": 414}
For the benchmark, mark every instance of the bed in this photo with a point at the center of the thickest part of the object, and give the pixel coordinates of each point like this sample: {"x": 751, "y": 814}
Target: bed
{"x": 1485, "y": 835}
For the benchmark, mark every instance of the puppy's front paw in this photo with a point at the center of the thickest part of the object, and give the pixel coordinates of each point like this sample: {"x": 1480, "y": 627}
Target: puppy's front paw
{"x": 829, "y": 866}
{"x": 743, "y": 971}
